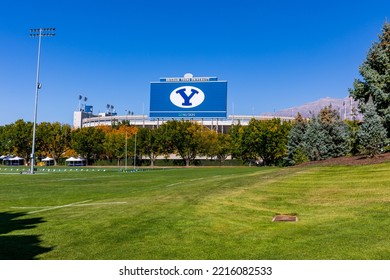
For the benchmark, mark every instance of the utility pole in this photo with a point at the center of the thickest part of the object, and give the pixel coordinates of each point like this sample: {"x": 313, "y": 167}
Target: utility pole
{"x": 38, "y": 32}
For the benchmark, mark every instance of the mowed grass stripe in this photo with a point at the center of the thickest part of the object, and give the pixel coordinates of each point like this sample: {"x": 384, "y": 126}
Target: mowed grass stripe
{"x": 206, "y": 213}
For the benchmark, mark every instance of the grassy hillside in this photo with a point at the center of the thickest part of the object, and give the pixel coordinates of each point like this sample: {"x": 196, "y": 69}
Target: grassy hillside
{"x": 197, "y": 213}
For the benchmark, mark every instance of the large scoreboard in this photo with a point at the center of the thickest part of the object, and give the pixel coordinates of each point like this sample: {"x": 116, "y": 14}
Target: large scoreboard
{"x": 188, "y": 97}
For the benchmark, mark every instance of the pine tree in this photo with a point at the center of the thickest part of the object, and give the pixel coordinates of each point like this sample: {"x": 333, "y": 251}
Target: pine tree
{"x": 326, "y": 136}
{"x": 372, "y": 134}
{"x": 316, "y": 141}
{"x": 295, "y": 150}
{"x": 375, "y": 72}
{"x": 336, "y": 130}
{"x": 353, "y": 128}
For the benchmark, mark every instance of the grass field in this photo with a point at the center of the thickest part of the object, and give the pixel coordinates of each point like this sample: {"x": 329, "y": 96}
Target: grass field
{"x": 197, "y": 213}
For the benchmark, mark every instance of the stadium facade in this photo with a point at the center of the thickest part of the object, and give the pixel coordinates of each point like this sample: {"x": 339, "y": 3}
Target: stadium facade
{"x": 200, "y": 99}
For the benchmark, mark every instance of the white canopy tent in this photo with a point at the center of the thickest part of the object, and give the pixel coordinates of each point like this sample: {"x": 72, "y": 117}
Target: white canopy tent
{"x": 48, "y": 161}
{"x": 75, "y": 161}
{"x": 13, "y": 161}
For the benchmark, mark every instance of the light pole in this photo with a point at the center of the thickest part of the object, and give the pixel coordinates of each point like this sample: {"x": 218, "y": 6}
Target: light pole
{"x": 126, "y": 151}
{"x": 127, "y": 124}
{"x": 135, "y": 149}
{"x": 38, "y": 32}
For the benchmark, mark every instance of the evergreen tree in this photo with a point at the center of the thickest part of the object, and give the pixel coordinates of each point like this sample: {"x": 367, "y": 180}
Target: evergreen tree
{"x": 326, "y": 136}
{"x": 353, "y": 128}
{"x": 316, "y": 141}
{"x": 372, "y": 134}
{"x": 336, "y": 130}
{"x": 295, "y": 149}
{"x": 375, "y": 72}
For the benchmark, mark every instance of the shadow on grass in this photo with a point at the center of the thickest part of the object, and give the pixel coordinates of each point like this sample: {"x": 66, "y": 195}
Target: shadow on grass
{"x": 22, "y": 246}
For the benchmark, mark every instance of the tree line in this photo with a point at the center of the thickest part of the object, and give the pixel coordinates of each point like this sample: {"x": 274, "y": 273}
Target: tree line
{"x": 187, "y": 139}
{"x": 261, "y": 142}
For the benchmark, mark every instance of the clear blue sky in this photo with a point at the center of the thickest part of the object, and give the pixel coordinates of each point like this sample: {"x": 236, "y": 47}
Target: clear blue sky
{"x": 274, "y": 54}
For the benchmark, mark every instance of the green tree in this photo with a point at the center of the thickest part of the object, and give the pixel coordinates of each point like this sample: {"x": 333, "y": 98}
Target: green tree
{"x": 114, "y": 146}
{"x": 375, "y": 82}
{"x": 336, "y": 130}
{"x": 209, "y": 142}
{"x": 5, "y": 140}
{"x": 88, "y": 142}
{"x": 371, "y": 136}
{"x": 353, "y": 128}
{"x": 53, "y": 139}
{"x": 20, "y": 138}
{"x": 236, "y": 133}
{"x": 276, "y": 137}
{"x": 184, "y": 138}
{"x": 222, "y": 147}
{"x": 295, "y": 149}
{"x": 316, "y": 140}
{"x": 118, "y": 139}
{"x": 326, "y": 136}
{"x": 265, "y": 140}
{"x": 248, "y": 141}
{"x": 149, "y": 142}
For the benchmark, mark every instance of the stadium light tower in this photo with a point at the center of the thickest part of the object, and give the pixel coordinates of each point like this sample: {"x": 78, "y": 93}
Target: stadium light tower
{"x": 38, "y": 32}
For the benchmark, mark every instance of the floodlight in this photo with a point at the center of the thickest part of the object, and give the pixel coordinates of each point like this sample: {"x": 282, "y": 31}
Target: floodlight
{"x": 37, "y": 32}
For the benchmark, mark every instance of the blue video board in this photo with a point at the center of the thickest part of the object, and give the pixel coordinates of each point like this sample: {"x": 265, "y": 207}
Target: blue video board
{"x": 194, "y": 97}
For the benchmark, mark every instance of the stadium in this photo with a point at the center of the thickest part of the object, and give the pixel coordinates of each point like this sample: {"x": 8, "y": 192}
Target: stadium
{"x": 201, "y": 99}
